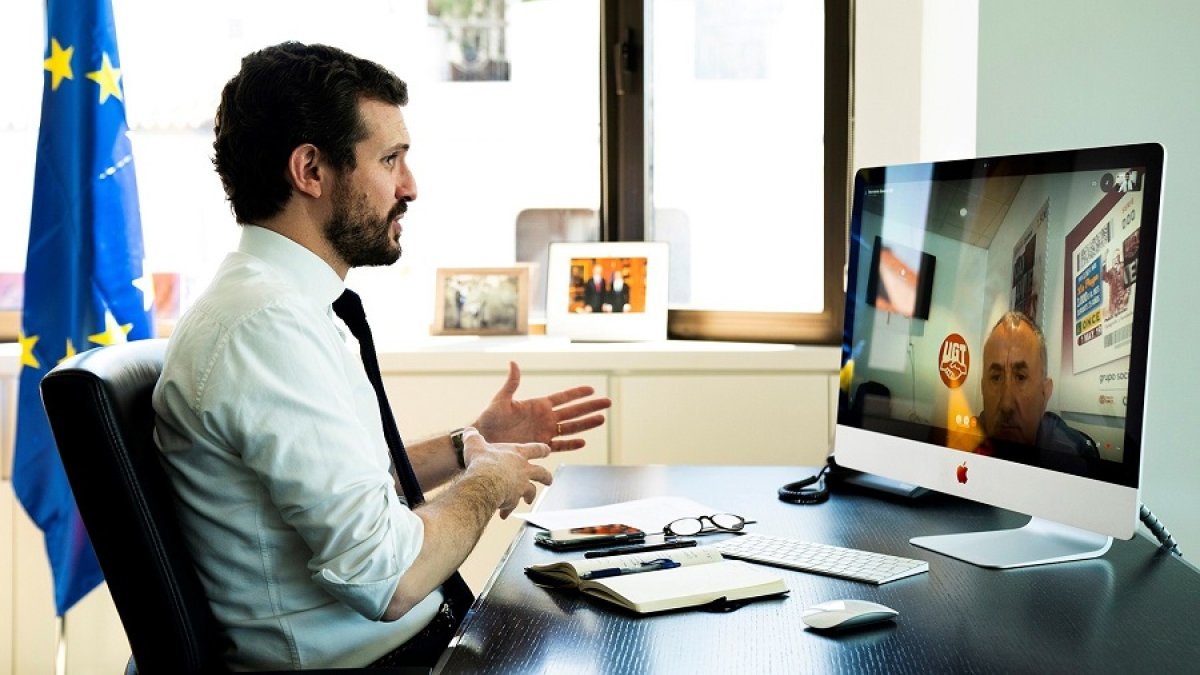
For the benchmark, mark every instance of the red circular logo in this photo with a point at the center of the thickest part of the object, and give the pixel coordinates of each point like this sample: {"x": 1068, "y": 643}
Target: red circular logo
{"x": 954, "y": 361}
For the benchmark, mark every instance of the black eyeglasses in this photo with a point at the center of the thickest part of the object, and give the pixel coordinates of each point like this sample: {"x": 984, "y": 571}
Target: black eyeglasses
{"x": 720, "y": 522}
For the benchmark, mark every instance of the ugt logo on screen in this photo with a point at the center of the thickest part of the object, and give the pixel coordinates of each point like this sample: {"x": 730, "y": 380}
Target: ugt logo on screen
{"x": 955, "y": 361}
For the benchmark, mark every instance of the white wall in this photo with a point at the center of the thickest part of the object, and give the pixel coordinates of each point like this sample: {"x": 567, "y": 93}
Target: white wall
{"x": 914, "y": 81}
{"x": 1077, "y": 73}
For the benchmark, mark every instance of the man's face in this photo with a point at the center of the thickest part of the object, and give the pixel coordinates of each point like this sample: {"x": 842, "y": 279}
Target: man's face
{"x": 1015, "y": 391}
{"x": 368, "y": 202}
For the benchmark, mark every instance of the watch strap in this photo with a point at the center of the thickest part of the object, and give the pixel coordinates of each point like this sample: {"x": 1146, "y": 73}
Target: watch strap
{"x": 456, "y": 439}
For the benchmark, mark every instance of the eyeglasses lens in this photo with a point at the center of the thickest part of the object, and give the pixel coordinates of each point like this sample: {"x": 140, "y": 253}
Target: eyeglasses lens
{"x": 728, "y": 521}
{"x": 686, "y": 527}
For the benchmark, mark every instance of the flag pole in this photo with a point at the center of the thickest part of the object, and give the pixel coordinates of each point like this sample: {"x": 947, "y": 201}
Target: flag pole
{"x": 60, "y": 646}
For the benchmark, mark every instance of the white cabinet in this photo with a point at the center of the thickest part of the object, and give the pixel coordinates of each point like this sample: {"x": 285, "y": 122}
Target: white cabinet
{"x": 7, "y": 592}
{"x": 94, "y": 636}
{"x": 8, "y": 417}
{"x": 34, "y": 628}
{"x": 721, "y": 418}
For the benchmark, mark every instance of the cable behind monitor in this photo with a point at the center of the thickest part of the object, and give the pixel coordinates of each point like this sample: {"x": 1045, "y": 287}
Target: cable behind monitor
{"x": 800, "y": 491}
{"x": 1158, "y": 530}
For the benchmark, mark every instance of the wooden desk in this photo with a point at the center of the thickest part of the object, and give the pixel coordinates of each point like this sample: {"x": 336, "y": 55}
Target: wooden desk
{"x": 1134, "y": 610}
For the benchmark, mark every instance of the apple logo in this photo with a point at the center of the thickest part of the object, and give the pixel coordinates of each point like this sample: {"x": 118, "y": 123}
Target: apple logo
{"x": 962, "y": 472}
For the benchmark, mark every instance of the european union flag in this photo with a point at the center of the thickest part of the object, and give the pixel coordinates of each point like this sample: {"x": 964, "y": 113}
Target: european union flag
{"x": 84, "y": 284}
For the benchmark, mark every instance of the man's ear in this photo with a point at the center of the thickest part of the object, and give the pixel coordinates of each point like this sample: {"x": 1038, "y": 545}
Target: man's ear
{"x": 305, "y": 171}
{"x": 1048, "y": 385}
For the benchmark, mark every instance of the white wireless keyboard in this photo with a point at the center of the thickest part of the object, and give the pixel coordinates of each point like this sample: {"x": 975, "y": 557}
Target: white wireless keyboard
{"x": 834, "y": 561}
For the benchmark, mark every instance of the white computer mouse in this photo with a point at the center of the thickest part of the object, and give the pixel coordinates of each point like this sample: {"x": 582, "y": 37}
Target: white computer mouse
{"x": 837, "y": 614}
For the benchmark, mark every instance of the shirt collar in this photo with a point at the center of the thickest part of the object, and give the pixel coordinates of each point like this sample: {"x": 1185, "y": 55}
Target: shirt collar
{"x": 303, "y": 268}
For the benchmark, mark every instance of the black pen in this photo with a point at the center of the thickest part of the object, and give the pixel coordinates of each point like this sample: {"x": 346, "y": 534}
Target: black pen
{"x": 648, "y": 566}
{"x": 622, "y": 550}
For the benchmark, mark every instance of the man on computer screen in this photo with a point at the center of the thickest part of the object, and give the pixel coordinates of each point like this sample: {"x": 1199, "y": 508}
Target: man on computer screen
{"x": 1015, "y": 389}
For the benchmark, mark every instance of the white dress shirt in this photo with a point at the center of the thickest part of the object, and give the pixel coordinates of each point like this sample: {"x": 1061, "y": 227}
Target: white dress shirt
{"x": 270, "y": 434}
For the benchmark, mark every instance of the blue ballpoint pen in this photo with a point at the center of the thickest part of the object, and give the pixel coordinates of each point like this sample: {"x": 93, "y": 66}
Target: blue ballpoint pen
{"x": 648, "y": 566}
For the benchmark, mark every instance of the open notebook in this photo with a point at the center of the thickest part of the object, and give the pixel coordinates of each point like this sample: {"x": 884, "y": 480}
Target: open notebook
{"x": 639, "y": 582}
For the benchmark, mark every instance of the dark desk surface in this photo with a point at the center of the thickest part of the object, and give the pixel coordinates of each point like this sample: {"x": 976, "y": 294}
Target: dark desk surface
{"x": 1136, "y": 609}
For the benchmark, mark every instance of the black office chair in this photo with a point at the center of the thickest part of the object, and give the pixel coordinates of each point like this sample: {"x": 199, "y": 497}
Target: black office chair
{"x": 98, "y": 405}
{"x": 871, "y": 399}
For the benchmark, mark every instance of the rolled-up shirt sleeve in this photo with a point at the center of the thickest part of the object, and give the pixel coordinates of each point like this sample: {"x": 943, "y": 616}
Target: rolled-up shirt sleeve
{"x": 307, "y": 426}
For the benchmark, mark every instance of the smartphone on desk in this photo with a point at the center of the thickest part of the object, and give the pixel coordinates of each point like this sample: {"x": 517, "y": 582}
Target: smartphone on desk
{"x": 591, "y": 536}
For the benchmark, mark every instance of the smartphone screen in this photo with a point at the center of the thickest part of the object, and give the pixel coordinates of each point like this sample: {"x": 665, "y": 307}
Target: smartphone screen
{"x": 590, "y": 536}
{"x": 593, "y": 531}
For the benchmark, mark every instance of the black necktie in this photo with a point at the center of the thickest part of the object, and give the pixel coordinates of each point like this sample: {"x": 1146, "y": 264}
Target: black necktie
{"x": 349, "y": 309}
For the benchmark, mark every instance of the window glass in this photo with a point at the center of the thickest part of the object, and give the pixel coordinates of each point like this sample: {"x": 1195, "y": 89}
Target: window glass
{"x": 22, "y": 49}
{"x": 735, "y": 110}
{"x": 504, "y": 115}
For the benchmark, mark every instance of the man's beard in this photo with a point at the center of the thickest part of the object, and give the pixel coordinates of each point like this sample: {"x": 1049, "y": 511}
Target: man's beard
{"x": 357, "y": 236}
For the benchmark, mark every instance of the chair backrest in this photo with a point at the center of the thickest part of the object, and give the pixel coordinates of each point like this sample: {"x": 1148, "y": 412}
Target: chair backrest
{"x": 98, "y": 405}
{"x": 871, "y": 399}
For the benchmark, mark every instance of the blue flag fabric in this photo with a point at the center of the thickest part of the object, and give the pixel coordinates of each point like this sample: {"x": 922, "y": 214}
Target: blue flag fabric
{"x": 84, "y": 282}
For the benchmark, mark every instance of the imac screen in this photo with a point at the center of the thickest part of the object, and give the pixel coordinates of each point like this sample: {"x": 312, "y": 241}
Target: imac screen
{"x": 1017, "y": 375}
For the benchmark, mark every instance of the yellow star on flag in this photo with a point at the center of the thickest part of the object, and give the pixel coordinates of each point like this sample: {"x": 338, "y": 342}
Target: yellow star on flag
{"x": 111, "y": 335}
{"x": 70, "y": 351}
{"x": 108, "y": 78}
{"x": 27, "y": 343}
{"x": 59, "y": 64}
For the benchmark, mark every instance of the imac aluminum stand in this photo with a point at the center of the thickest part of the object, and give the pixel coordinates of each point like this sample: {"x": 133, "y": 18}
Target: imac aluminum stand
{"x": 1038, "y": 542}
{"x": 871, "y": 481}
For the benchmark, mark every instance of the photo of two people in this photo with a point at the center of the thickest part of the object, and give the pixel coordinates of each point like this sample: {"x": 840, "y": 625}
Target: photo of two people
{"x": 607, "y": 285}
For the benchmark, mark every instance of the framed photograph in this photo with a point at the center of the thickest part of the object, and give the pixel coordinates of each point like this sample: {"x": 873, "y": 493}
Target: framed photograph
{"x": 607, "y": 292}
{"x": 166, "y": 302}
{"x": 482, "y": 301}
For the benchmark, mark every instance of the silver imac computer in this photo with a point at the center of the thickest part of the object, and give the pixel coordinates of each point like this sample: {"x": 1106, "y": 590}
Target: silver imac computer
{"x": 996, "y": 339}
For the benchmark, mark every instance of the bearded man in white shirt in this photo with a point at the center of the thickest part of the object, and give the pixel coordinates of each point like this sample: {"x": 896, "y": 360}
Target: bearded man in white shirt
{"x": 270, "y": 430}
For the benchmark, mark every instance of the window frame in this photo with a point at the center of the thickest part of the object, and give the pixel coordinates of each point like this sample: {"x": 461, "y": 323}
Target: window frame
{"x": 626, "y": 202}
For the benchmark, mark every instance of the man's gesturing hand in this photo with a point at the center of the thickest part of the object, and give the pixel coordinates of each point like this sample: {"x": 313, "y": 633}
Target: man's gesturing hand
{"x": 544, "y": 418}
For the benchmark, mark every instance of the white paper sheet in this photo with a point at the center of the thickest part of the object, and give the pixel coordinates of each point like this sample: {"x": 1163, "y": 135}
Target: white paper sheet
{"x": 651, "y": 514}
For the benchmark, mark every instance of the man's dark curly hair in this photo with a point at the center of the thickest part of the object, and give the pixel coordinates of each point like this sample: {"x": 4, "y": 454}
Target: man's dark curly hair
{"x": 283, "y": 97}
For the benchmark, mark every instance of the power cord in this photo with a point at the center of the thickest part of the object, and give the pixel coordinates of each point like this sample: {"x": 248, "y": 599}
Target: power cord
{"x": 1156, "y": 528}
